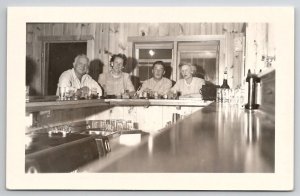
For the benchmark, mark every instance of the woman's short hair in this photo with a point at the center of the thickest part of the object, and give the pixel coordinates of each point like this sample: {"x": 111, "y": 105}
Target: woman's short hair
{"x": 193, "y": 67}
{"x": 160, "y": 63}
{"x": 122, "y": 56}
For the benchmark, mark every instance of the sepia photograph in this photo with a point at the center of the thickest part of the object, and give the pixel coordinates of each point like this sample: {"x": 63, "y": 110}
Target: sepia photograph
{"x": 189, "y": 97}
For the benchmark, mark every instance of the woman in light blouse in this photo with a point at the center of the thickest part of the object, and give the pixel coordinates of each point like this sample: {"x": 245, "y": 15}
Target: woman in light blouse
{"x": 189, "y": 86}
{"x": 115, "y": 81}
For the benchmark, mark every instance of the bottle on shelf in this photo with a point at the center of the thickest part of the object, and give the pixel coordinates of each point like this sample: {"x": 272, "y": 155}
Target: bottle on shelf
{"x": 225, "y": 88}
{"x": 225, "y": 83}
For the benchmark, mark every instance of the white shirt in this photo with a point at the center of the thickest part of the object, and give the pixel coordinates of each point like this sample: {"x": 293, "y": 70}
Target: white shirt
{"x": 161, "y": 87}
{"x": 69, "y": 79}
{"x": 185, "y": 89}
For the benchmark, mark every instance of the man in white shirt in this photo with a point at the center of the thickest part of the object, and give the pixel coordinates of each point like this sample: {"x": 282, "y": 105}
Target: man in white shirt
{"x": 157, "y": 83}
{"x": 77, "y": 77}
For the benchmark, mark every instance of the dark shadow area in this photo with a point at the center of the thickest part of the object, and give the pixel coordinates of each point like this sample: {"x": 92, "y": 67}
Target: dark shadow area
{"x": 173, "y": 82}
{"x": 168, "y": 71}
{"x": 30, "y": 74}
{"x": 129, "y": 67}
{"x": 199, "y": 72}
{"x": 96, "y": 68}
{"x": 209, "y": 91}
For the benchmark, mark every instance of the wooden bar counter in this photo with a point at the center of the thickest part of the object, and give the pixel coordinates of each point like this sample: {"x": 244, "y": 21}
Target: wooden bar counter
{"x": 217, "y": 138}
{"x": 51, "y": 103}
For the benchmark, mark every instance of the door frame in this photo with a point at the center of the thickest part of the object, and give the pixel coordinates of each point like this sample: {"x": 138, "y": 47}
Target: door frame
{"x": 46, "y": 40}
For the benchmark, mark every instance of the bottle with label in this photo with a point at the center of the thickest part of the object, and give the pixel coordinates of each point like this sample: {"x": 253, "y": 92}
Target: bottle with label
{"x": 225, "y": 88}
{"x": 225, "y": 83}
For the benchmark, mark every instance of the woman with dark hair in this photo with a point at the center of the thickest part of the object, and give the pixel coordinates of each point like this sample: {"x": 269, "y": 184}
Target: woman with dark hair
{"x": 115, "y": 81}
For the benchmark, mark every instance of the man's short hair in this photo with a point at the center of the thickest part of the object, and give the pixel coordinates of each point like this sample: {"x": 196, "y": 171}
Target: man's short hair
{"x": 80, "y": 56}
{"x": 160, "y": 63}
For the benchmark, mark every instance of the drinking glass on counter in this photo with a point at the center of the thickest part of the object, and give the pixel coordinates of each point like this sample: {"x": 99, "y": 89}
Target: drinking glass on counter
{"x": 27, "y": 93}
{"x": 61, "y": 91}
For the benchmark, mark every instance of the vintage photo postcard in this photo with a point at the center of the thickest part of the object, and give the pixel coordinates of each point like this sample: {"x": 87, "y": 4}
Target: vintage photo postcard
{"x": 150, "y": 98}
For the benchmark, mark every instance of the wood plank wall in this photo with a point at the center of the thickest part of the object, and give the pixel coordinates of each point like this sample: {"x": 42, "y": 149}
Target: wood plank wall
{"x": 258, "y": 45}
{"x": 110, "y": 38}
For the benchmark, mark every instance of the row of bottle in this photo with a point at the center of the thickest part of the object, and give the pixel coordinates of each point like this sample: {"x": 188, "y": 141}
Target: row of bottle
{"x": 113, "y": 125}
{"x": 249, "y": 97}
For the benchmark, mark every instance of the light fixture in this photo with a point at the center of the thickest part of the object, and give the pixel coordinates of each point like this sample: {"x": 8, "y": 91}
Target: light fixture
{"x": 151, "y": 52}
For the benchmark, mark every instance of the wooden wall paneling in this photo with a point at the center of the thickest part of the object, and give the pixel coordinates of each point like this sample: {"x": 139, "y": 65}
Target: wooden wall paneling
{"x": 126, "y": 44}
{"x": 123, "y": 34}
{"x": 236, "y": 27}
{"x": 30, "y": 63}
{"x": 255, "y": 46}
{"x": 65, "y": 28}
{"x": 29, "y": 33}
{"x": 84, "y": 29}
{"x": 37, "y": 58}
{"x": 175, "y": 63}
{"x": 105, "y": 45}
{"x": 29, "y": 50}
{"x": 153, "y": 29}
{"x": 116, "y": 37}
{"x": 97, "y": 40}
{"x": 172, "y": 29}
{"x": 47, "y": 29}
{"x": 132, "y": 29}
{"x": 76, "y": 29}
{"x": 193, "y": 29}
{"x": 143, "y": 29}
{"x": 262, "y": 45}
{"x": 91, "y": 43}
{"x": 163, "y": 29}
{"x": 214, "y": 29}
{"x": 29, "y": 40}
{"x": 202, "y": 29}
{"x": 92, "y": 29}
{"x": 179, "y": 30}
{"x": 58, "y": 29}
{"x": 69, "y": 28}
{"x": 230, "y": 54}
{"x": 272, "y": 31}
{"x": 111, "y": 39}
{"x": 222, "y": 61}
{"x": 187, "y": 29}
{"x": 131, "y": 59}
{"x": 219, "y": 28}
{"x": 209, "y": 28}
{"x": 238, "y": 63}
{"x": 96, "y": 64}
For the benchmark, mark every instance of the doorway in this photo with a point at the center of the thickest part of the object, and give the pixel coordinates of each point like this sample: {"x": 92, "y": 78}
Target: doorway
{"x": 59, "y": 57}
